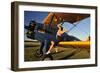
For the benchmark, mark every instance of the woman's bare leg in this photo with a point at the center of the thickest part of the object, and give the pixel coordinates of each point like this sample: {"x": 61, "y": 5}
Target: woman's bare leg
{"x": 52, "y": 45}
{"x": 56, "y": 49}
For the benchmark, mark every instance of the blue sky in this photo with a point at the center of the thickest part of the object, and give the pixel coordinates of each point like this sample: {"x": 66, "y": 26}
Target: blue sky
{"x": 37, "y": 16}
{"x": 82, "y": 30}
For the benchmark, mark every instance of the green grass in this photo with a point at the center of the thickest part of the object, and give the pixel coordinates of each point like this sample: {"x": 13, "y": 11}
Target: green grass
{"x": 62, "y": 54}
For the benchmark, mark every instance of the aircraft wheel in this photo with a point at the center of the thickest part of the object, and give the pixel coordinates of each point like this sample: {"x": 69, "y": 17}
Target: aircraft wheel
{"x": 37, "y": 54}
{"x": 47, "y": 57}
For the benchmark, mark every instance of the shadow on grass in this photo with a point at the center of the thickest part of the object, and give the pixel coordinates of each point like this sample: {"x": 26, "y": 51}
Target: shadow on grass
{"x": 67, "y": 57}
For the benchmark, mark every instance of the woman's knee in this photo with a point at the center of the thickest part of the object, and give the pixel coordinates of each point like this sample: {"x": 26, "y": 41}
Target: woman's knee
{"x": 52, "y": 43}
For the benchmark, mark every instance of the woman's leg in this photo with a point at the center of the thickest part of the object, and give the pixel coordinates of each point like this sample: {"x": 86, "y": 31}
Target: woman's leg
{"x": 56, "y": 49}
{"x": 46, "y": 52}
{"x": 51, "y": 46}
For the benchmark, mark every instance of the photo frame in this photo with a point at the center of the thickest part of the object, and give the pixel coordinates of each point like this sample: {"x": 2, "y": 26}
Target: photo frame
{"x": 81, "y": 53}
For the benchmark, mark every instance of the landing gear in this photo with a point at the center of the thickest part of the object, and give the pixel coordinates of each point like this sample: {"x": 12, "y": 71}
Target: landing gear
{"x": 47, "y": 57}
{"x": 44, "y": 57}
{"x": 38, "y": 54}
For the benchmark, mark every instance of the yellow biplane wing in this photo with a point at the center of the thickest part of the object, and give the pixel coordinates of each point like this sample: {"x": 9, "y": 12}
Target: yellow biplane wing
{"x": 79, "y": 44}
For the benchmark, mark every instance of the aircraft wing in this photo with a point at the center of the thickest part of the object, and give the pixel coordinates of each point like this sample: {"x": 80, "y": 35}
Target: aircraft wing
{"x": 56, "y": 18}
{"x": 75, "y": 44}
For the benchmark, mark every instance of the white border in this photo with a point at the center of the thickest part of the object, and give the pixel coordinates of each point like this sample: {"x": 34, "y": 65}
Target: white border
{"x": 23, "y": 64}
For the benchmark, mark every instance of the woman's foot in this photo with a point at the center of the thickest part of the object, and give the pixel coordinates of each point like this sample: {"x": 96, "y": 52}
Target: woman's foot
{"x": 56, "y": 49}
{"x": 48, "y": 52}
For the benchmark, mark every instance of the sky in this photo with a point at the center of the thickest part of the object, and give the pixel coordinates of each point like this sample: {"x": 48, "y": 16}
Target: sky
{"x": 81, "y": 31}
{"x": 34, "y": 15}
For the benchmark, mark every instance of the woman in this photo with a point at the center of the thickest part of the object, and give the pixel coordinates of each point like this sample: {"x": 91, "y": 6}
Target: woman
{"x": 58, "y": 38}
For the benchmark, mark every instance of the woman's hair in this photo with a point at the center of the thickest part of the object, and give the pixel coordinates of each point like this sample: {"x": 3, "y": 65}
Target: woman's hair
{"x": 61, "y": 28}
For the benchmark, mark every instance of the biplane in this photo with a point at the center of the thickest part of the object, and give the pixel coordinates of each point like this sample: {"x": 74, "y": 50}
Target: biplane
{"x": 51, "y": 21}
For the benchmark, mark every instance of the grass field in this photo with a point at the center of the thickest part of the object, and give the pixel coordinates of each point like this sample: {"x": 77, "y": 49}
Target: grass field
{"x": 62, "y": 54}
